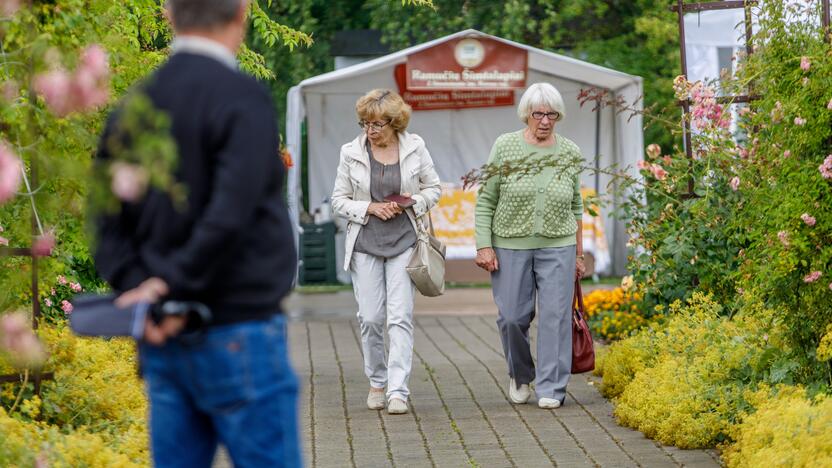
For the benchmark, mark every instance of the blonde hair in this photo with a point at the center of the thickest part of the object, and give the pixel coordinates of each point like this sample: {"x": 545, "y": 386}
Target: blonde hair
{"x": 384, "y": 104}
{"x": 540, "y": 94}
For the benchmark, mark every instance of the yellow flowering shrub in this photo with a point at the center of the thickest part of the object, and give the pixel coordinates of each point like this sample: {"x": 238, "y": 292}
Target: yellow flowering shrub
{"x": 619, "y": 363}
{"x": 788, "y": 429}
{"x": 825, "y": 346}
{"x": 24, "y": 443}
{"x": 682, "y": 382}
{"x": 601, "y": 300}
{"x": 675, "y": 404}
{"x": 613, "y": 313}
{"x": 94, "y": 405}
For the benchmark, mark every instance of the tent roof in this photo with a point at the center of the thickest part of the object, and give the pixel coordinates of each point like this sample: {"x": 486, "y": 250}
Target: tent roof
{"x": 541, "y": 60}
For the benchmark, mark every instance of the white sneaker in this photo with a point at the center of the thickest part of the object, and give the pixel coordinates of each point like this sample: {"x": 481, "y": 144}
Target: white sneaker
{"x": 548, "y": 403}
{"x": 520, "y": 395}
{"x": 396, "y": 406}
{"x": 375, "y": 400}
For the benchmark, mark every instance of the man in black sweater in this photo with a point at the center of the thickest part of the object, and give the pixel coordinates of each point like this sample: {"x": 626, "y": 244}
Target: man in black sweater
{"x": 229, "y": 247}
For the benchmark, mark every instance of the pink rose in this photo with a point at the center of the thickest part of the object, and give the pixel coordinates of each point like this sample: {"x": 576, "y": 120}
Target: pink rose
{"x": 799, "y": 121}
{"x": 666, "y": 160}
{"x": 129, "y": 181}
{"x": 830, "y": 285}
{"x": 787, "y": 154}
{"x": 44, "y": 245}
{"x": 826, "y": 168}
{"x": 829, "y": 104}
{"x": 75, "y": 287}
{"x": 654, "y": 150}
{"x": 812, "y": 277}
{"x": 53, "y": 291}
{"x": 735, "y": 183}
{"x": 805, "y": 64}
{"x": 54, "y": 87}
{"x": 658, "y": 172}
{"x": 94, "y": 60}
{"x": 10, "y": 170}
{"x": 66, "y": 306}
{"x": 90, "y": 81}
{"x": 62, "y": 280}
{"x": 784, "y": 238}
{"x": 4, "y": 241}
{"x": 47, "y": 302}
{"x": 809, "y": 220}
{"x": 88, "y": 90}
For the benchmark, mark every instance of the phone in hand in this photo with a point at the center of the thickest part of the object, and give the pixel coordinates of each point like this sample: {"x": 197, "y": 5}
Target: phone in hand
{"x": 402, "y": 201}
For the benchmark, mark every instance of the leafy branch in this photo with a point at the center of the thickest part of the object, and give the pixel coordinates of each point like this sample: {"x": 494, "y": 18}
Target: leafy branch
{"x": 420, "y": 3}
{"x": 272, "y": 31}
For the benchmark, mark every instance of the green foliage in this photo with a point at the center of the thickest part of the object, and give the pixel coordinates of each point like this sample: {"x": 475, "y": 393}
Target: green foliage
{"x": 62, "y": 148}
{"x": 141, "y": 137}
{"x": 760, "y": 216}
{"x": 324, "y": 17}
{"x": 270, "y": 31}
{"x": 778, "y": 188}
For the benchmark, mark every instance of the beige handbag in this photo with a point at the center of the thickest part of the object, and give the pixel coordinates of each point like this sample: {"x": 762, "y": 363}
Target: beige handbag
{"x": 427, "y": 262}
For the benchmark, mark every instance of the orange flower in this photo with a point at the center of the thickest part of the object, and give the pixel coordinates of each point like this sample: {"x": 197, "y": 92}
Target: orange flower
{"x": 287, "y": 158}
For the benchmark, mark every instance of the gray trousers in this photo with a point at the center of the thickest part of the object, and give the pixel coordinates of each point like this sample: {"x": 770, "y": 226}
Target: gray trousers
{"x": 550, "y": 273}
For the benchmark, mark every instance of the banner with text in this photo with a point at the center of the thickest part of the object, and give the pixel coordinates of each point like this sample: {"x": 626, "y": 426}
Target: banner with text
{"x": 479, "y": 63}
{"x": 454, "y": 99}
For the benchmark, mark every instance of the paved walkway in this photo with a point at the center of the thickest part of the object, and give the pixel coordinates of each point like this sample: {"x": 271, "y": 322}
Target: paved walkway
{"x": 460, "y": 413}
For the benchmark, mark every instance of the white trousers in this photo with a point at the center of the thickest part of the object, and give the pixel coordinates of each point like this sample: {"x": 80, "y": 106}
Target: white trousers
{"x": 384, "y": 293}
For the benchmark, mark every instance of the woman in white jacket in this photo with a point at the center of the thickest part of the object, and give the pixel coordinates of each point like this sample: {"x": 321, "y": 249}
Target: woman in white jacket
{"x": 384, "y": 160}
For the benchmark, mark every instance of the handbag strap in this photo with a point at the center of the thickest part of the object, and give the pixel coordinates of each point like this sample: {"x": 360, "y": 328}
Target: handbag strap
{"x": 421, "y": 225}
{"x": 578, "y": 300}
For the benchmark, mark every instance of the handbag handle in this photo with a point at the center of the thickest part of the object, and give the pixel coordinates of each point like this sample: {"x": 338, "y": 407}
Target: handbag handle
{"x": 578, "y": 299}
{"x": 421, "y": 224}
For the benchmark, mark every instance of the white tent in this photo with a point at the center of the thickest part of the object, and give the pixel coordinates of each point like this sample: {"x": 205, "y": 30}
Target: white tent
{"x": 460, "y": 139}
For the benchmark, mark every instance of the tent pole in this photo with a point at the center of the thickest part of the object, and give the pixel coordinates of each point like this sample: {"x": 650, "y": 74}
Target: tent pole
{"x": 597, "y": 151}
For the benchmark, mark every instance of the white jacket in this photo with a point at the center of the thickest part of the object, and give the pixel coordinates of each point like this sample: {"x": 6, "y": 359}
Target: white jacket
{"x": 351, "y": 195}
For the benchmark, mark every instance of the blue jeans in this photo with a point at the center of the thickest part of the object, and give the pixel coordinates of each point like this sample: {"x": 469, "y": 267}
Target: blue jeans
{"x": 234, "y": 385}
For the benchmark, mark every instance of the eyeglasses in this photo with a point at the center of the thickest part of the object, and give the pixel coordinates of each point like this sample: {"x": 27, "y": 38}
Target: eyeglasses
{"x": 373, "y": 125}
{"x": 553, "y": 116}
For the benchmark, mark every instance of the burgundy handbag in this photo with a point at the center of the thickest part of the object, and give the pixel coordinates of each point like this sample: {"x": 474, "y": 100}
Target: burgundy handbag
{"x": 583, "y": 352}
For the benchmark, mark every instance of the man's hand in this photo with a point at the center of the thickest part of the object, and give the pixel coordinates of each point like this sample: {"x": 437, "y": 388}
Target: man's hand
{"x": 150, "y": 292}
{"x": 158, "y": 334}
{"x": 487, "y": 259}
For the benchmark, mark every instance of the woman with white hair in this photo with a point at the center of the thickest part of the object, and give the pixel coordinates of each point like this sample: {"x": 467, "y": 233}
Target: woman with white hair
{"x": 528, "y": 235}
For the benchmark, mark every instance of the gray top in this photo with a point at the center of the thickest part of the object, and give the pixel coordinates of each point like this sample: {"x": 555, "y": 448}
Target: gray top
{"x": 385, "y": 238}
